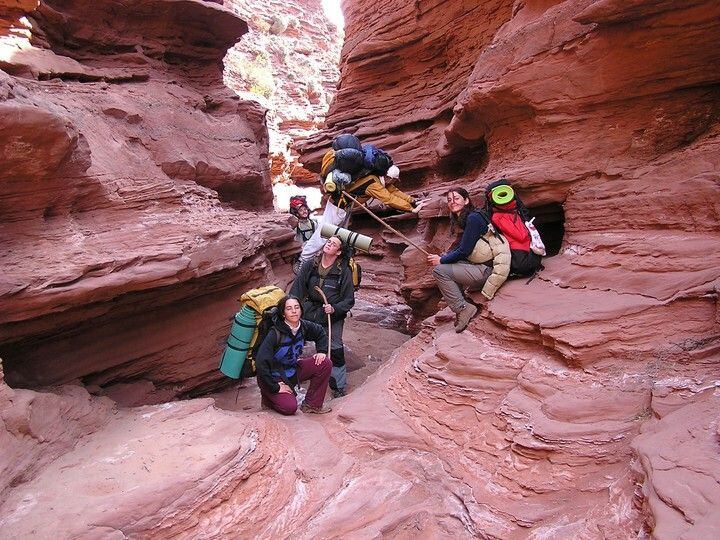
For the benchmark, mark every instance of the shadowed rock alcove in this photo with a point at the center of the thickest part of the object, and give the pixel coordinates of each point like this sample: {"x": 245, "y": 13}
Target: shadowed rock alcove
{"x": 550, "y": 223}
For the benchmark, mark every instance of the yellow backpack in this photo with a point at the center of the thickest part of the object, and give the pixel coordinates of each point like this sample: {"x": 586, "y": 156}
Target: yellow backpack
{"x": 250, "y": 326}
{"x": 356, "y": 271}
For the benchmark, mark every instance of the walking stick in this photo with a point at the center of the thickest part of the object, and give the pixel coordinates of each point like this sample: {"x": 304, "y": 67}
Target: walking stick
{"x": 401, "y": 235}
{"x": 318, "y": 289}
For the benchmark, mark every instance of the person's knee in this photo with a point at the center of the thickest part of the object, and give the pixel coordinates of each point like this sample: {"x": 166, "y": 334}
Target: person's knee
{"x": 286, "y": 410}
{"x": 286, "y": 407}
{"x": 326, "y": 365}
{"x": 440, "y": 273}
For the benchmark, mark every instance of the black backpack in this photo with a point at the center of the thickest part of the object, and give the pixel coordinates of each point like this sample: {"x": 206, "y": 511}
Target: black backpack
{"x": 522, "y": 263}
{"x": 266, "y": 324}
{"x": 349, "y": 160}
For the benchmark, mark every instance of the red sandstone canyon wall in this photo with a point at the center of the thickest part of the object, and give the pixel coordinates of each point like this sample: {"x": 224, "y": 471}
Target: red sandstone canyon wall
{"x": 581, "y": 405}
{"x": 289, "y": 62}
{"x": 130, "y": 183}
{"x": 606, "y": 116}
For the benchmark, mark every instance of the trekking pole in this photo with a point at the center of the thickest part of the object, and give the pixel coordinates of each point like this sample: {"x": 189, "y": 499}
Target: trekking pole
{"x": 379, "y": 220}
{"x": 318, "y": 289}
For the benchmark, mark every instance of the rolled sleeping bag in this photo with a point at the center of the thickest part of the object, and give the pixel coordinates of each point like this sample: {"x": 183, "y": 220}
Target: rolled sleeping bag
{"x": 349, "y": 160}
{"x": 337, "y": 181}
{"x": 238, "y": 344}
{"x": 346, "y": 140}
{"x": 349, "y": 238}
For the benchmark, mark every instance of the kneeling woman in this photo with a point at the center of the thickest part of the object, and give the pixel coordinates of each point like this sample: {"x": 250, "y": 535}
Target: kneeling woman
{"x": 467, "y": 264}
{"x": 280, "y": 368}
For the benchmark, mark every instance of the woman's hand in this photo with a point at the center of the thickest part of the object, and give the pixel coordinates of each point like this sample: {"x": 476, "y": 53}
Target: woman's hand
{"x": 319, "y": 358}
{"x": 284, "y": 388}
{"x": 328, "y": 308}
{"x": 433, "y": 260}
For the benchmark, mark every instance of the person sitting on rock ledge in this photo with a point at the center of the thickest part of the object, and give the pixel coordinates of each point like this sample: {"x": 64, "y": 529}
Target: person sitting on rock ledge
{"x": 280, "y": 368}
{"x": 467, "y": 264}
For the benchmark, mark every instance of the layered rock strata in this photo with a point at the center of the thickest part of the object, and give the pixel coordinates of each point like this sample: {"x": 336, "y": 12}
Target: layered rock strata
{"x": 605, "y": 116}
{"x": 583, "y": 404}
{"x": 289, "y": 62}
{"x": 130, "y": 179}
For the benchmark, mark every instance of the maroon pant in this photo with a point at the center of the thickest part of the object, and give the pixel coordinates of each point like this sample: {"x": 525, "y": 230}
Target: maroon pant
{"x": 306, "y": 369}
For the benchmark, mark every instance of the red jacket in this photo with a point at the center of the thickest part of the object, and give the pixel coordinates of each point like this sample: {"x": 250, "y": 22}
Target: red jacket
{"x": 507, "y": 220}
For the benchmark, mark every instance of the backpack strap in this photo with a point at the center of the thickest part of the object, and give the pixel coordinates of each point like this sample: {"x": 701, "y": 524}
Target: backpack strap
{"x": 493, "y": 229}
{"x": 356, "y": 187}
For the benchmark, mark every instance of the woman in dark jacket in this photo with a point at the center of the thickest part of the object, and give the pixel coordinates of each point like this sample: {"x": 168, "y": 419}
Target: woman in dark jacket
{"x": 280, "y": 368}
{"x": 331, "y": 273}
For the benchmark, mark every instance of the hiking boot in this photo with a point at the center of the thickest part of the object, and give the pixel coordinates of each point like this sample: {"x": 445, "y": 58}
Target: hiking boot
{"x": 463, "y": 318}
{"x": 338, "y": 393}
{"x": 315, "y": 410}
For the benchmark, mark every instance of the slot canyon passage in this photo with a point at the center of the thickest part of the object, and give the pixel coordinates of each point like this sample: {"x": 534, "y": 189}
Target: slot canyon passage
{"x": 136, "y": 207}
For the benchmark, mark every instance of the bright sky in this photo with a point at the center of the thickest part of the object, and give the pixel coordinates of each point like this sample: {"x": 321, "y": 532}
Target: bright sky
{"x": 333, "y": 12}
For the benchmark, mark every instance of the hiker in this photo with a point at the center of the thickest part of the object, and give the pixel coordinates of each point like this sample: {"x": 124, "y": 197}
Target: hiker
{"x": 280, "y": 368}
{"x": 345, "y": 170}
{"x": 306, "y": 224}
{"x": 331, "y": 273}
{"x": 481, "y": 258}
{"x": 510, "y": 217}
{"x": 382, "y": 188}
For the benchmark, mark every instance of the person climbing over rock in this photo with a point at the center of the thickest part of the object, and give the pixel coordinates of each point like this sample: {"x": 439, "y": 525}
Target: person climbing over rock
{"x": 467, "y": 264}
{"x": 280, "y": 368}
{"x": 345, "y": 169}
{"x": 331, "y": 273}
{"x": 381, "y": 188}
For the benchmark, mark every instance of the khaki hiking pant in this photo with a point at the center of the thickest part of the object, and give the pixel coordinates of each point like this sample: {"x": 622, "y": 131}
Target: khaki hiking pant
{"x": 453, "y": 278}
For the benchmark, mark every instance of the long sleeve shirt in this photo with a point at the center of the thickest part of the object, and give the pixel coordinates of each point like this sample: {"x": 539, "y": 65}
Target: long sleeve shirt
{"x": 475, "y": 227}
{"x": 271, "y": 370}
{"x": 390, "y": 196}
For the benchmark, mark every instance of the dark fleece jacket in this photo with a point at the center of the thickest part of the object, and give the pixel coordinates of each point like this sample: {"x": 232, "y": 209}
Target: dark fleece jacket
{"x": 337, "y": 286}
{"x": 276, "y": 359}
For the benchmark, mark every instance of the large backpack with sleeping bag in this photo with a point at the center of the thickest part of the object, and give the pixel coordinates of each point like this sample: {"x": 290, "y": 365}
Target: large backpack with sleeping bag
{"x": 250, "y": 326}
{"x": 512, "y": 219}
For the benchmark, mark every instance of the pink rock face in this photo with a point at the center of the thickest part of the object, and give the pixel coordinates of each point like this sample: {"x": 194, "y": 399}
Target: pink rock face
{"x": 681, "y": 467}
{"x": 128, "y": 188}
{"x": 605, "y": 116}
{"x": 288, "y": 61}
{"x": 35, "y": 429}
{"x": 580, "y": 405}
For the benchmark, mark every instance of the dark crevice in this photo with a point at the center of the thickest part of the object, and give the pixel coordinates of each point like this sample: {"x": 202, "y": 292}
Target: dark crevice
{"x": 550, "y": 223}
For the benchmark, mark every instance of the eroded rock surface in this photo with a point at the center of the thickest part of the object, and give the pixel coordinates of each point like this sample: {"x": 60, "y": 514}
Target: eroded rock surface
{"x": 605, "y": 116}
{"x": 289, "y": 62}
{"x": 583, "y": 404}
{"x": 130, "y": 180}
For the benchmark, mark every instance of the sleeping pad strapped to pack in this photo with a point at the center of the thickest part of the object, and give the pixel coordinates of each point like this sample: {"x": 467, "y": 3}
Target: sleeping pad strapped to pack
{"x": 238, "y": 359}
